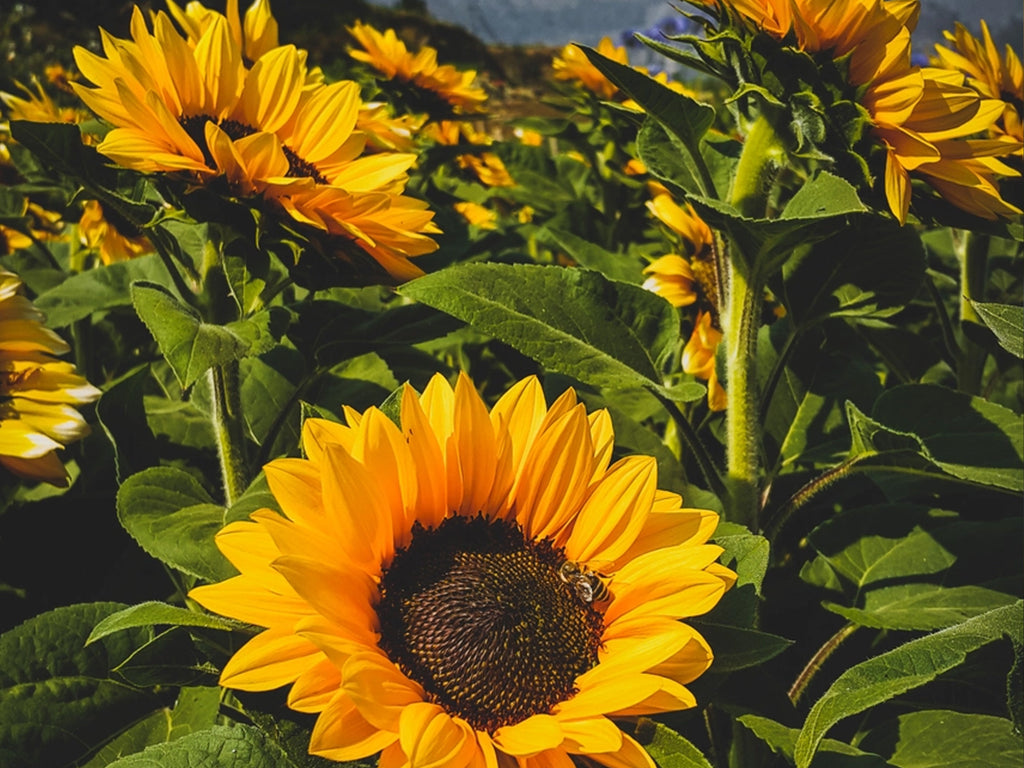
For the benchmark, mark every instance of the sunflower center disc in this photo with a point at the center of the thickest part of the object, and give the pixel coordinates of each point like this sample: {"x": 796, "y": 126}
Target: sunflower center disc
{"x": 479, "y": 617}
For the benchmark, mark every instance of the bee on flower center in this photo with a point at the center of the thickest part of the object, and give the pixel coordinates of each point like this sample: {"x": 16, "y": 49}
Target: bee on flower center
{"x": 589, "y": 586}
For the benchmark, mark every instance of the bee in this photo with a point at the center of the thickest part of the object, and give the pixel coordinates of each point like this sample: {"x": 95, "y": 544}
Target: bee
{"x": 589, "y": 586}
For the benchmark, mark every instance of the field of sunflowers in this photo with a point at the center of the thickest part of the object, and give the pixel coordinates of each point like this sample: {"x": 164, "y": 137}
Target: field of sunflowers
{"x": 372, "y": 396}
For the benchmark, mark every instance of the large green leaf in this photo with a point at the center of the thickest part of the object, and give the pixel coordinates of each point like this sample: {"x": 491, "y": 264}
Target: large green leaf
{"x": 967, "y": 437}
{"x": 615, "y": 266}
{"x": 681, "y": 115}
{"x": 95, "y": 289}
{"x": 668, "y": 748}
{"x": 902, "y": 669}
{"x": 1006, "y": 321}
{"x": 937, "y": 738}
{"x": 122, "y": 415}
{"x": 573, "y": 321}
{"x": 58, "y": 697}
{"x": 739, "y": 647}
{"x": 832, "y": 753}
{"x": 191, "y": 346}
{"x": 238, "y": 746}
{"x": 150, "y": 614}
{"x": 921, "y": 606}
{"x": 195, "y": 710}
{"x": 173, "y": 518}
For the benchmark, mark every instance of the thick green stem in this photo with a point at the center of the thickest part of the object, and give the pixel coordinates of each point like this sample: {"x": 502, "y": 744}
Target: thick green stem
{"x": 972, "y": 251}
{"x": 228, "y": 429}
{"x": 760, "y": 160}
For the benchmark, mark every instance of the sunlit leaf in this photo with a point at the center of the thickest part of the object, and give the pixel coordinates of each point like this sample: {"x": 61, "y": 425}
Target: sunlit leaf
{"x": 902, "y": 669}
{"x": 58, "y": 696}
{"x": 573, "y": 321}
{"x": 1007, "y": 323}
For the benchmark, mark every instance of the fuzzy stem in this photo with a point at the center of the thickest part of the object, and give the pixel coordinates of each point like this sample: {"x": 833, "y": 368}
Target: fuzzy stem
{"x": 817, "y": 661}
{"x": 227, "y": 427}
{"x": 761, "y": 157}
{"x": 972, "y": 252}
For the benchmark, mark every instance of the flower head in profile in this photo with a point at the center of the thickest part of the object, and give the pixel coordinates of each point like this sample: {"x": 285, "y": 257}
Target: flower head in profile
{"x": 38, "y": 392}
{"x": 486, "y": 166}
{"x": 472, "y": 586}
{"x": 918, "y": 121}
{"x": 476, "y": 214}
{"x": 437, "y": 89}
{"x": 699, "y": 358}
{"x": 991, "y": 75}
{"x": 195, "y": 109}
{"x": 573, "y": 65}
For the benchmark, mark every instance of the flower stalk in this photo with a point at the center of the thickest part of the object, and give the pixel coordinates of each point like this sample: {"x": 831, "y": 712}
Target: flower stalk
{"x": 972, "y": 253}
{"x": 226, "y": 417}
{"x": 759, "y": 162}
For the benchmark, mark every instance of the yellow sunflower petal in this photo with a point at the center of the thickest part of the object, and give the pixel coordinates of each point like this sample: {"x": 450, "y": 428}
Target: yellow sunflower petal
{"x": 314, "y": 689}
{"x": 431, "y": 499}
{"x": 534, "y": 734}
{"x": 631, "y": 755}
{"x": 271, "y": 659}
{"x": 615, "y": 511}
{"x": 431, "y": 738}
{"x": 341, "y": 733}
{"x": 595, "y": 734}
{"x": 379, "y": 689}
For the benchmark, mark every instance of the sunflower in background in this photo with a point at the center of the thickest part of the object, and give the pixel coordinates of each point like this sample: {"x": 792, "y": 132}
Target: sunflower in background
{"x": 201, "y": 110}
{"x": 919, "y": 119}
{"x": 422, "y": 84}
{"x": 38, "y": 392}
{"x": 689, "y": 279}
{"x": 416, "y": 593}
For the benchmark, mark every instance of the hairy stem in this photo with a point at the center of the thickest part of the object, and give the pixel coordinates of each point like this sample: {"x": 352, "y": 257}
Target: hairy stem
{"x": 817, "y": 661}
{"x": 972, "y": 252}
{"x": 228, "y": 429}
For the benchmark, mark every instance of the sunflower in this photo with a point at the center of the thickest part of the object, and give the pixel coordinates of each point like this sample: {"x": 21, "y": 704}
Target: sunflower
{"x": 438, "y": 87}
{"x": 919, "y": 117}
{"x": 97, "y": 232}
{"x": 37, "y": 391}
{"x": 194, "y": 109}
{"x": 572, "y": 64}
{"x": 476, "y": 214}
{"x": 486, "y": 166}
{"x": 671, "y": 277}
{"x": 699, "y": 358}
{"x": 471, "y": 587}
{"x": 991, "y": 75}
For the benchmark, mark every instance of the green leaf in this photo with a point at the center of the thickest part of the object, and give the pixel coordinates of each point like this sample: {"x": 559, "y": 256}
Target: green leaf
{"x": 58, "y": 698}
{"x": 573, "y": 321}
{"x": 614, "y": 266}
{"x": 686, "y": 118}
{"x": 1006, "y": 321}
{"x": 739, "y": 647}
{"x": 832, "y": 754}
{"x": 967, "y": 437}
{"x": 122, "y": 415}
{"x": 191, "y": 346}
{"x": 899, "y": 542}
{"x": 668, "y": 748}
{"x": 943, "y": 739}
{"x": 852, "y": 273}
{"x": 666, "y": 158}
{"x": 269, "y": 405}
{"x": 174, "y": 519}
{"x": 824, "y": 196}
{"x": 921, "y": 606}
{"x": 97, "y": 289}
{"x": 151, "y": 613}
{"x": 902, "y": 669}
{"x": 240, "y": 746}
{"x": 196, "y": 710}
{"x": 256, "y": 496}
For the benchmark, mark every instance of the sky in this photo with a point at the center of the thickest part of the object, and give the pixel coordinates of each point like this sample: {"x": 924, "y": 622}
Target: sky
{"x": 556, "y": 22}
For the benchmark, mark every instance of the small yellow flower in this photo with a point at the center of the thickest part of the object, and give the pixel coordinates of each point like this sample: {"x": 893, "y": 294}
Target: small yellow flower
{"x": 572, "y": 64}
{"x": 38, "y": 392}
{"x": 672, "y": 278}
{"x": 486, "y": 166}
{"x": 695, "y": 233}
{"x": 471, "y": 588}
{"x": 699, "y": 359}
{"x": 386, "y": 53}
{"x": 477, "y": 214}
{"x": 97, "y": 232}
